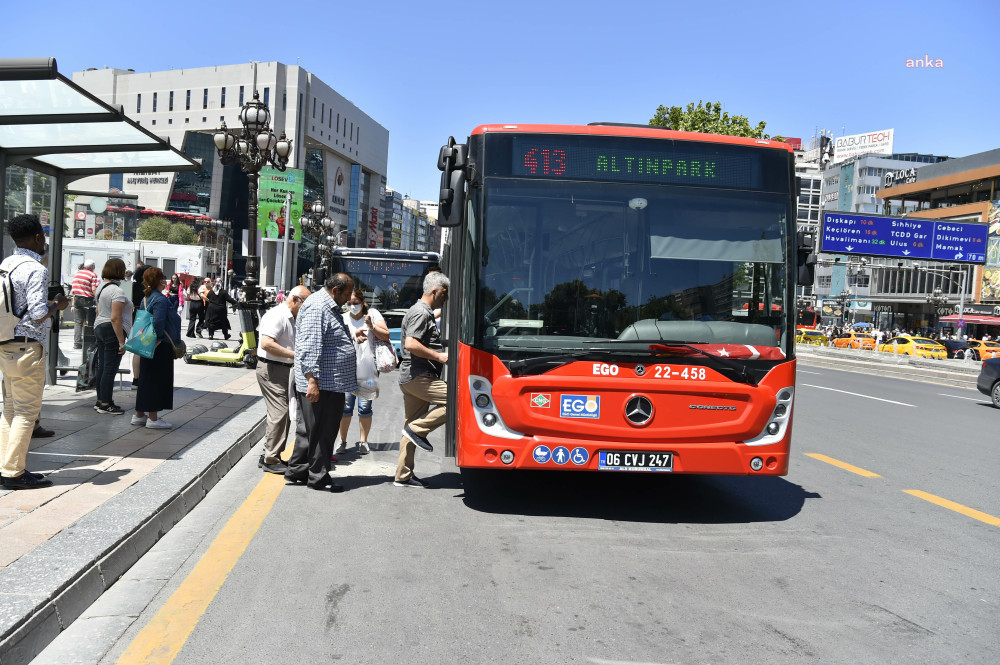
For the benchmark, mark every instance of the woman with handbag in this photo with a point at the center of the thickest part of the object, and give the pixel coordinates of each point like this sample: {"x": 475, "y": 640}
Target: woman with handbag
{"x": 111, "y": 328}
{"x": 156, "y": 374}
{"x": 360, "y": 317}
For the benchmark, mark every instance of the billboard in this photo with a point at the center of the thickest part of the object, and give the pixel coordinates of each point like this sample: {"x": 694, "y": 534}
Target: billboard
{"x": 910, "y": 238}
{"x": 855, "y": 145}
{"x": 271, "y": 213}
{"x": 991, "y": 274}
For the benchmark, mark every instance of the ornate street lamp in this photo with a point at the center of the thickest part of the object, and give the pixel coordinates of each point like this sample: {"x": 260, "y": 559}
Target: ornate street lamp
{"x": 253, "y": 147}
{"x": 316, "y": 224}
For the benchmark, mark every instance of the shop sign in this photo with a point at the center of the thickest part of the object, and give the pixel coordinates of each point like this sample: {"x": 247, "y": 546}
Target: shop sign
{"x": 900, "y": 177}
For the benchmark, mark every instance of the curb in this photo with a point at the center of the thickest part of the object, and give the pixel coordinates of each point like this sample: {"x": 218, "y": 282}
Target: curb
{"x": 44, "y": 591}
{"x": 900, "y": 367}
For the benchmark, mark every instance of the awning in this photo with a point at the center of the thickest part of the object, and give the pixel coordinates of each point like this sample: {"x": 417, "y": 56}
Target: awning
{"x": 981, "y": 319}
{"x": 50, "y": 124}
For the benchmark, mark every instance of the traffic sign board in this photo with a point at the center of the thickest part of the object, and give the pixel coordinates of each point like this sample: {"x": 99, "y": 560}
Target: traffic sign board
{"x": 911, "y": 238}
{"x": 961, "y": 323}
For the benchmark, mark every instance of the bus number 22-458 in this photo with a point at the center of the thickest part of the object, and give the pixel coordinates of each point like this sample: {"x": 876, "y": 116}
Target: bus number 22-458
{"x": 691, "y": 373}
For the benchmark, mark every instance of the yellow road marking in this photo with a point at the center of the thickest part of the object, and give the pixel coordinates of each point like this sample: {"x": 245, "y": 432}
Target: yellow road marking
{"x": 164, "y": 636}
{"x": 844, "y": 465}
{"x": 957, "y": 507}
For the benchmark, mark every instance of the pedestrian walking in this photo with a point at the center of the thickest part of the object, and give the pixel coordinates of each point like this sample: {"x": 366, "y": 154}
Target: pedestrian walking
{"x": 325, "y": 369}
{"x": 196, "y": 311}
{"x": 359, "y": 317}
{"x": 156, "y": 376}
{"x": 85, "y": 281}
{"x": 22, "y": 359}
{"x": 276, "y": 355}
{"x": 216, "y": 313}
{"x": 424, "y": 358}
{"x": 111, "y": 327}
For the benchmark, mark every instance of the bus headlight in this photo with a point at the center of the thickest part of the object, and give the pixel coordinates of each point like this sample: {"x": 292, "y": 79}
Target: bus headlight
{"x": 777, "y": 424}
{"x": 487, "y": 415}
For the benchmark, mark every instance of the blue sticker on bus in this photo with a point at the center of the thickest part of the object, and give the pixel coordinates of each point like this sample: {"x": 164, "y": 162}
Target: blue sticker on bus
{"x": 560, "y": 455}
{"x": 579, "y": 406}
{"x": 579, "y": 456}
{"x": 542, "y": 454}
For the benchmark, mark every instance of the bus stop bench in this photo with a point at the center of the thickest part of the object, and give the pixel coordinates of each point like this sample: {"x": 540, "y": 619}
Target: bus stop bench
{"x": 121, "y": 373}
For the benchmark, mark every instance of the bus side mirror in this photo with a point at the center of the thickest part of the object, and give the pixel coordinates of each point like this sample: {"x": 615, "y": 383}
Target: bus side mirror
{"x": 452, "y": 161}
{"x": 806, "y": 262}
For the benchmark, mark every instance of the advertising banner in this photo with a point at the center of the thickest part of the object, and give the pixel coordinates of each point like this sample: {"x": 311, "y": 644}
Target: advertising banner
{"x": 991, "y": 272}
{"x": 879, "y": 143}
{"x": 271, "y": 213}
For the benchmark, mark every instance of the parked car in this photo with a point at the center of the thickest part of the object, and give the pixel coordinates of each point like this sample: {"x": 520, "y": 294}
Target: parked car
{"x": 956, "y": 348}
{"x": 809, "y": 336}
{"x": 918, "y": 347}
{"x": 855, "y": 340}
{"x": 989, "y": 380}
{"x": 983, "y": 350}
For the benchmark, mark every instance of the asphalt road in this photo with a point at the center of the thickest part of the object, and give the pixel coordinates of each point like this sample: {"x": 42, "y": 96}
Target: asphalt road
{"x": 825, "y": 565}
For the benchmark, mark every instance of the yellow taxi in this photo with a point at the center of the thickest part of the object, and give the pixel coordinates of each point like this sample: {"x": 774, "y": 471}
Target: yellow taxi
{"x": 919, "y": 347}
{"x": 982, "y": 350}
{"x": 811, "y": 336}
{"x": 855, "y": 340}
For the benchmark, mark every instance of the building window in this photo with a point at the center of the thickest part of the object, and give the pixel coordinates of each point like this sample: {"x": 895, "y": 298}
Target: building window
{"x": 170, "y": 121}
{"x": 204, "y": 99}
{"x": 322, "y": 113}
{"x": 187, "y": 120}
{"x": 338, "y": 123}
{"x": 284, "y": 100}
{"x": 241, "y": 95}
{"x": 267, "y": 97}
{"x": 171, "y": 107}
{"x": 187, "y": 102}
{"x": 154, "y": 122}
{"x": 824, "y": 281}
{"x": 222, "y": 101}
{"x": 314, "y": 108}
{"x": 154, "y": 102}
{"x": 138, "y": 103}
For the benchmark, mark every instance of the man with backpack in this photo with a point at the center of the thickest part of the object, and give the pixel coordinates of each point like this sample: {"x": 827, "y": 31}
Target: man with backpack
{"x": 24, "y": 329}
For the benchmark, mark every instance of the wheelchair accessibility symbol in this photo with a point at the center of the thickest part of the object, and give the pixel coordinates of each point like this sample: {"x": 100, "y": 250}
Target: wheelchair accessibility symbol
{"x": 579, "y": 456}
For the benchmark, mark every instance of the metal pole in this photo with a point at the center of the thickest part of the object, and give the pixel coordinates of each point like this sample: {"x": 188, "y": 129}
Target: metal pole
{"x": 961, "y": 297}
{"x": 253, "y": 261}
{"x": 284, "y": 248}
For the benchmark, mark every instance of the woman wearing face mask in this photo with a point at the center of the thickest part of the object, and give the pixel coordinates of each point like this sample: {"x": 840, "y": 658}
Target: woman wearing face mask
{"x": 360, "y": 317}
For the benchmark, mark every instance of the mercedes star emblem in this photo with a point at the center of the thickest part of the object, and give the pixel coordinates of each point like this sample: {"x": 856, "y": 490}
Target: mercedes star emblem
{"x": 638, "y": 410}
{"x": 640, "y": 370}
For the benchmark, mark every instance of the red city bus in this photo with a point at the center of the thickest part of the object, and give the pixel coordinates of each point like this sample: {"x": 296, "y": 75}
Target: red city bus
{"x": 621, "y": 299}
{"x": 809, "y": 318}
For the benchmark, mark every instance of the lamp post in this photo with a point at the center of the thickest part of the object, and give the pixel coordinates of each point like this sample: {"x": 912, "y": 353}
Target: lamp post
{"x": 253, "y": 147}
{"x": 950, "y": 276}
{"x": 316, "y": 224}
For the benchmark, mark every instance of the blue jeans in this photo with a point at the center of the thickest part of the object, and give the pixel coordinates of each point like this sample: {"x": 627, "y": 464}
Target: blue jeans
{"x": 110, "y": 359}
{"x": 364, "y": 406}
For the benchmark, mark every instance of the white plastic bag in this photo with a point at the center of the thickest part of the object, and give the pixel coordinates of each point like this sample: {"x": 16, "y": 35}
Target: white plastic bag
{"x": 367, "y": 374}
{"x": 385, "y": 355}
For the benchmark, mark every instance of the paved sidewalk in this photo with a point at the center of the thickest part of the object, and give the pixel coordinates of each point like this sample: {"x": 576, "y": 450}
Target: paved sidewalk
{"x": 117, "y": 489}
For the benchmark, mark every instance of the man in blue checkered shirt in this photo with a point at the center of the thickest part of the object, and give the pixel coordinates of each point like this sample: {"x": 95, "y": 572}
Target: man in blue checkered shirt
{"x": 325, "y": 369}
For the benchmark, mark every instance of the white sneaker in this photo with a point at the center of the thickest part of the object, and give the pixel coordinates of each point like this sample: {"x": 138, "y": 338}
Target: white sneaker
{"x": 363, "y": 448}
{"x": 139, "y": 420}
{"x": 158, "y": 424}
{"x": 341, "y": 449}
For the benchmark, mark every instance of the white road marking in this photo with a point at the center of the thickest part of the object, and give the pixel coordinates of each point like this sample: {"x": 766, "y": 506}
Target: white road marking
{"x": 974, "y": 399}
{"x": 802, "y": 371}
{"x": 860, "y": 395}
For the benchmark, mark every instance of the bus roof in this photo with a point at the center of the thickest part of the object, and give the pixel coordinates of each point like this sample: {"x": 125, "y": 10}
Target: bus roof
{"x": 641, "y": 131}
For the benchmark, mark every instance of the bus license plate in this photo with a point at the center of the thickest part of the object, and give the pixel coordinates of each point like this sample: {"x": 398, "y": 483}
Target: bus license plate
{"x": 617, "y": 460}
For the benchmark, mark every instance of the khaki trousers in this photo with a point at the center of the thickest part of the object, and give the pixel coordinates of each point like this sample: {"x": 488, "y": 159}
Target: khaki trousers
{"x": 419, "y": 394}
{"x": 23, "y": 367}
{"x": 273, "y": 382}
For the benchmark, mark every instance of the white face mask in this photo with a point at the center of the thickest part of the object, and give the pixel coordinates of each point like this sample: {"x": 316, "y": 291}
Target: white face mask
{"x": 354, "y": 309}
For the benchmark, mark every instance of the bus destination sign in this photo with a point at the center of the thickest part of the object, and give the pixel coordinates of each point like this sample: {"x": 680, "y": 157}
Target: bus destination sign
{"x": 600, "y": 159}
{"x": 909, "y": 238}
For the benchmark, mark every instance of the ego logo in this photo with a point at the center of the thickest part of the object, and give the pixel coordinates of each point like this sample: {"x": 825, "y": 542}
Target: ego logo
{"x": 579, "y": 406}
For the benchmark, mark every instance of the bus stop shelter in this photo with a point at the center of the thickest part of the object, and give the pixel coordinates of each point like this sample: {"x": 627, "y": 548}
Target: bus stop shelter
{"x": 53, "y": 126}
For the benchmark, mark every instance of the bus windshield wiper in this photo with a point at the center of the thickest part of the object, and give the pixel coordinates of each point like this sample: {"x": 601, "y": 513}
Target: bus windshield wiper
{"x": 519, "y": 367}
{"x": 743, "y": 375}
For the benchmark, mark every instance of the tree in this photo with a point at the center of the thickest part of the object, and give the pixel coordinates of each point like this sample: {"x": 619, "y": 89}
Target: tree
{"x": 154, "y": 228}
{"x": 708, "y": 118}
{"x": 182, "y": 234}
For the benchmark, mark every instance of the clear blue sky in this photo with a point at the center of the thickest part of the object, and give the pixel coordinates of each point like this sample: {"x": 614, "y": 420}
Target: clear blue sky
{"x": 425, "y": 75}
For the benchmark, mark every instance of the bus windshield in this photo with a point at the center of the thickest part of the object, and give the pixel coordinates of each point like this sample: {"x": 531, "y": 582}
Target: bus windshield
{"x": 569, "y": 265}
{"x": 388, "y": 282}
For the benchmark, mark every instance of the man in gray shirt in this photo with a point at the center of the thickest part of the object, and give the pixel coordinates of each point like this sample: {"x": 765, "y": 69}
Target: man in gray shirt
{"x": 420, "y": 376}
